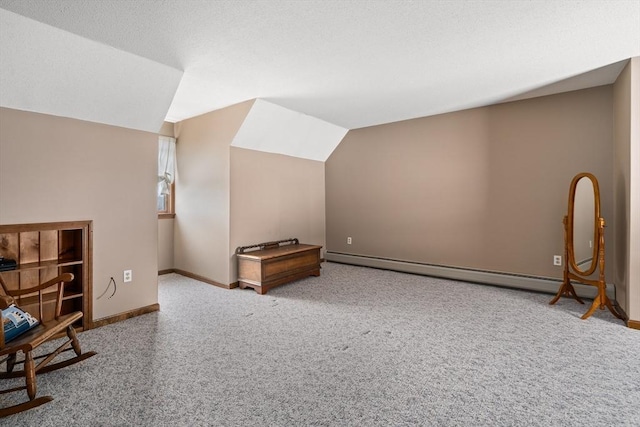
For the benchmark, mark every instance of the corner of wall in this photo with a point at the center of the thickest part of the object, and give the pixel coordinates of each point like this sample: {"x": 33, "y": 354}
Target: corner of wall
{"x": 201, "y": 225}
{"x": 627, "y": 188}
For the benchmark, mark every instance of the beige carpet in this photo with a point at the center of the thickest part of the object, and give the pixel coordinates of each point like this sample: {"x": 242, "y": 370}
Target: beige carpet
{"x": 354, "y": 347}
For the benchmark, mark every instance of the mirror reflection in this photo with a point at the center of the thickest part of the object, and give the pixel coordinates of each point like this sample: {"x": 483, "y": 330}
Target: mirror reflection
{"x": 584, "y": 224}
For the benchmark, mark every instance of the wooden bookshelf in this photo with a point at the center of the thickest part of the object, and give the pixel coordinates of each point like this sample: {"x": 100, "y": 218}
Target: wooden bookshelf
{"x": 45, "y": 250}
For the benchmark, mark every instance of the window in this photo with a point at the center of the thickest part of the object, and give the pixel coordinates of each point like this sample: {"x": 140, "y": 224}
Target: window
{"x": 165, "y": 202}
{"x": 166, "y": 175}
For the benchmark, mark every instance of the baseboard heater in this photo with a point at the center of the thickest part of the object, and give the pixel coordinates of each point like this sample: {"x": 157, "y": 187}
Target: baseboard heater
{"x": 517, "y": 281}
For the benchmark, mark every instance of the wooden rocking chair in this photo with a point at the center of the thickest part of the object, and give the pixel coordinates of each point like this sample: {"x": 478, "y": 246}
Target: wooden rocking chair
{"x": 30, "y": 340}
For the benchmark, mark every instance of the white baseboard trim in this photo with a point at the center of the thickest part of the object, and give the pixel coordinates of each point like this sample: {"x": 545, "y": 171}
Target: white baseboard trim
{"x": 518, "y": 281}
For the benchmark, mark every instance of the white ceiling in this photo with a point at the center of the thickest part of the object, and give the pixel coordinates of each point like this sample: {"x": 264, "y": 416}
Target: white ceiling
{"x": 55, "y": 72}
{"x": 274, "y": 129}
{"x": 352, "y": 63}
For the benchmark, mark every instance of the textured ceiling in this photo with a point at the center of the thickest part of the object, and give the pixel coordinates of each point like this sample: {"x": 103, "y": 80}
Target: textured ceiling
{"x": 352, "y": 63}
{"x": 47, "y": 70}
{"x": 274, "y": 129}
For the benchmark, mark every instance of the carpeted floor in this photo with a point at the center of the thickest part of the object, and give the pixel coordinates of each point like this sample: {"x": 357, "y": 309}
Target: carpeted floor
{"x": 354, "y": 347}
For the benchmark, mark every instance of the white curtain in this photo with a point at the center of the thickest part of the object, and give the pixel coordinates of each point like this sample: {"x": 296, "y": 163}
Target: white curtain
{"x": 166, "y": 164}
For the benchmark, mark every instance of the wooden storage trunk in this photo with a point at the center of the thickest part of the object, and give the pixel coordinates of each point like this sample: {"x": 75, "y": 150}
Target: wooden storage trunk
{"x": 267, "y": 268}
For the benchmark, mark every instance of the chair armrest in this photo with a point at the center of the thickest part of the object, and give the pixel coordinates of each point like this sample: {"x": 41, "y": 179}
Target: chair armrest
{"x": 63, "y": 278}
{"x": 59, "y": 281}
{"x": 6, "y": 301}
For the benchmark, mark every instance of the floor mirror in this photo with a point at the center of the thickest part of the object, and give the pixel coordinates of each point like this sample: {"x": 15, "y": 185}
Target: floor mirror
{"x": 584, "y": 244}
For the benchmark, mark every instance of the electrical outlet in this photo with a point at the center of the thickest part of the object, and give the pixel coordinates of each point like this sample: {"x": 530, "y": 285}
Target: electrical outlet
{"x": 557, "y": 260}
{"x": 127, "y": 276}
{"x": 349, "y": 240}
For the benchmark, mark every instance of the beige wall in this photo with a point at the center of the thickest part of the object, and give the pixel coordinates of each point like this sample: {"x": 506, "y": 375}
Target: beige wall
{"x": 275, "y": 197}
{"x": 59, "y": 169}
{"x": 626, "y": 188}
{"x": 201, "y": 226}
{"x": 165, "y": 244}
{"x": 167, "y": 129}
{"x": 621, "y": 171}
{"x": 484, "y": 188}
{"x": 634, "y": 202}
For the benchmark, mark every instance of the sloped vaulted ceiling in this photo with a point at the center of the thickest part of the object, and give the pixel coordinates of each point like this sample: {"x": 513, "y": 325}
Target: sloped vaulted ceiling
{"x": 352, "y": 63}
{"x": 48, "y": 70}
{"x": 274, "y": 129}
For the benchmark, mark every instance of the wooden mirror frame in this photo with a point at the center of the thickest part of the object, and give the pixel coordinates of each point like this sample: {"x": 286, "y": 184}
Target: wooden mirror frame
{"x": 571, "y": 269}
{"x": 570, "y": 257}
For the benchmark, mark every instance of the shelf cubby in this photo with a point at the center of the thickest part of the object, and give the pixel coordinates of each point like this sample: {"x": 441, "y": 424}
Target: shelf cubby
{"x": 43, "y": 251}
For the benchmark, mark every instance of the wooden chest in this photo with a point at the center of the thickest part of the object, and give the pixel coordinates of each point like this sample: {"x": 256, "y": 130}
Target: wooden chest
{"x": 267, "y": 268}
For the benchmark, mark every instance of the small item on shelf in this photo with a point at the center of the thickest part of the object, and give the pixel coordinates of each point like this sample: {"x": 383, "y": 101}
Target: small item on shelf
{"x": 16, "y": 322}
{"x": 7, "y": 264}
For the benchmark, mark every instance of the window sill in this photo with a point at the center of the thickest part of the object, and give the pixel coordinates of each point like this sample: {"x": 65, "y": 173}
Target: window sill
{"x": 166, "y": 216}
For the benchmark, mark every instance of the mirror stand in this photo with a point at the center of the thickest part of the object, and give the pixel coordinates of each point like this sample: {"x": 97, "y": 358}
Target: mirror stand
{"x": 583, "y": 224}
{"x": 566, "y": 289}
